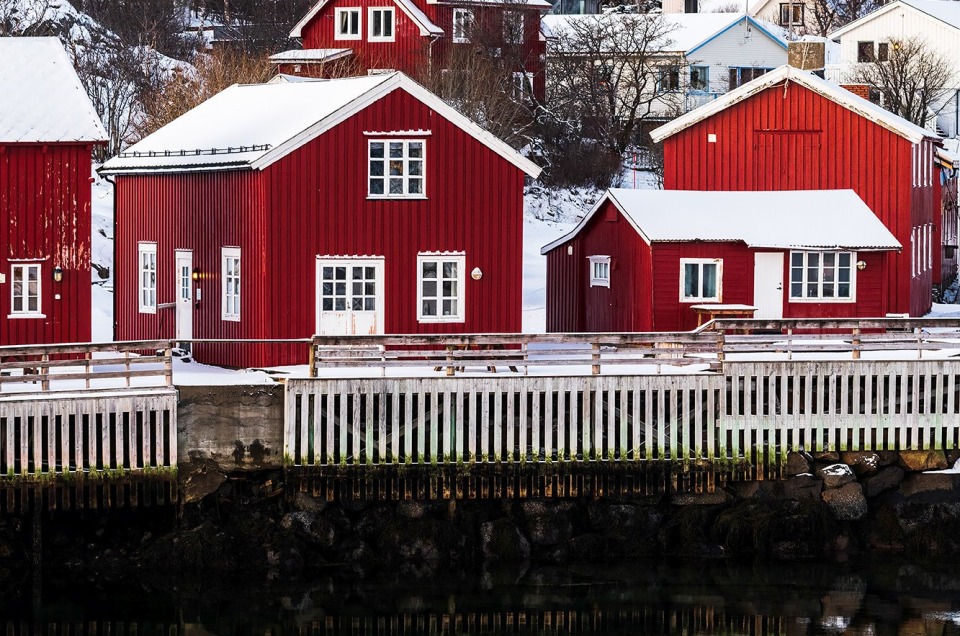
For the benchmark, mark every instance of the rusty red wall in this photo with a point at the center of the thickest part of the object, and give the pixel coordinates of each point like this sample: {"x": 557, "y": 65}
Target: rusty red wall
{"x": 788, "y": 137}
{"x": 314, "y": 202}
{"x": 415, "y": 54}
{"x": 45, "y": 214}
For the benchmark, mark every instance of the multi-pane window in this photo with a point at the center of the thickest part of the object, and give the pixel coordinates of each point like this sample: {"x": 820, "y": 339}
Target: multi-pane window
{"x": 699, "y": 78}
{"x": 381, "y": 24}
{"x": 700, "y": 279}
{"x": 883, "y": 52}
{"x": 599, "y": 271}
{"x": 186, "y": 284}
{"x": 396, "y": 168}
{"x": 440, "y": 286}
{"x": 791, "y": 14}
{"x": 348, "y": 287}
{"x": 147, "y": 258}
{"x": 821, "y": 275}
{"x": 230, "y": 268}
{"x": 740, "y": 75}
{"x": 668, "y": 78}
{"x": 25, "y": 299}
{"x": 512, "y": 27}
{"x": 462, "y": 23}
{"x": 865, "y": 52}
{"x": 347, "y": 23}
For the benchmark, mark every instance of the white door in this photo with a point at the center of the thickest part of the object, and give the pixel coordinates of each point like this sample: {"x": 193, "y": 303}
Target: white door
{"x": 349, "y": 296}
{"x": 768, "y": 285}
{"x": 184, "y": 278}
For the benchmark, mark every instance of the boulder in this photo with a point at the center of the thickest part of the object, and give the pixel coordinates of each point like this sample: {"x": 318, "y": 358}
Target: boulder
{"x": 199, "y": 478}
{"x": 549, "y": 530}
{"x": 847, "y": 503}
{"x": 411, "y": 509}
{"x": 888, "y": 477}
{"x": 303, "y": 501}
{"x": 826, "y": 456}
{"x": 715, "y": 498}
{"x": 624, "y": 519}
{"x": 887, "y": 458}
{"x": 501, "y": 540}
{"x": 802, "y": 487}
{"x": 797, "y": 464}
{"x": 836, "y": 475}
{"x": 919, "y": 461}
{"x": 930, "y": 486}
{"x": 862, "y": 462}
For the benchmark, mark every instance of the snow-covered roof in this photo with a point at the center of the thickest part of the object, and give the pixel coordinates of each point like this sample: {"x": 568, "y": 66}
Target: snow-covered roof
{"x": 789, "y": 219}
{"x": 423, "y": 22}
{"x": 780, "y": 76}
{"x": 309, "y": 55}
{"x": 947, "y": 11}
{"x": 283, "y": 78}
{"x": 685, "y": 32}
{"x": 252, "y": 126}
{"x": 42, "y": 99}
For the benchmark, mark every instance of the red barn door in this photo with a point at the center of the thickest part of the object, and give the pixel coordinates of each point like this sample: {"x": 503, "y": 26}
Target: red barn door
{"x": 787, "y": 160}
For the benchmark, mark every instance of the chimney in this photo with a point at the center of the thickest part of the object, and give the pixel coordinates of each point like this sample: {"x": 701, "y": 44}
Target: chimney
{"x": 691, "y": 6}
{"x": 806, "y": 56}
{"x": 860, "y": 90}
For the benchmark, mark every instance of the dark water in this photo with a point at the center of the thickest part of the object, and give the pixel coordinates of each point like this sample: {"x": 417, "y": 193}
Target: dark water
{"x": 873, "y": 597}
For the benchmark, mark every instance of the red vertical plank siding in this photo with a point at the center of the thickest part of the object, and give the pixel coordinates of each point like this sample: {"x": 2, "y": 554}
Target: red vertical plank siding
{"x": 852, "y": 152}
{"x": 948, "y": 227}
{"x": 45, "y": 212}
{"x": 202, "y": 212}
{"x": 416, "y": 54}
{"x": 314, "y": 202}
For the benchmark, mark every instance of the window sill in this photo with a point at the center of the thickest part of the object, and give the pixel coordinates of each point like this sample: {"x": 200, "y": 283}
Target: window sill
{"x": 25, "y": 316}
{"x": 148, "y": 310}
{"x": 429, "y": 320}
{"x": 831, "y": 301}
{"x": 348, "y": 38}
{"x": 599, "y": 284}
{"x": 375, "y": 40}
{"x": 230, "y": 318}
{"x": 396, "y": 197}
{"x": 695, "y": 301}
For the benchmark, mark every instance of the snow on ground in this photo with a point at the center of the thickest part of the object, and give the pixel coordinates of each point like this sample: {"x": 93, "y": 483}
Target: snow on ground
{"x": 102, "y": 257}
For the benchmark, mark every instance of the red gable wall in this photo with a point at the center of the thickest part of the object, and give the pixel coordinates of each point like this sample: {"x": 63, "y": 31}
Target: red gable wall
{"x": 790, "y": 138}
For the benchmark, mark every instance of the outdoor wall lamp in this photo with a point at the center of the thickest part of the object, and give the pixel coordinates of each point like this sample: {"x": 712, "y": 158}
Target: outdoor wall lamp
{"x": 57, "y": 274}
{"x": 861, "y": 265}
{"x": 195, "y": 275}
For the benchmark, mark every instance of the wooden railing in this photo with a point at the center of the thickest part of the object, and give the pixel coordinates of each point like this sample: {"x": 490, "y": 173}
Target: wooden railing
{"x": 66, "y": 367}
{"x": 710, "y": 345}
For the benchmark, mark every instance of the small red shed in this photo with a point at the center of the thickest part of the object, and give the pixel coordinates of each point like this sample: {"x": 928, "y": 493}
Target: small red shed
{"x": 791, "y": 130}
{"x": 48, "y": 129}
{"x": 663, "y": 260}
{"x": 418, "y": 37}
{"x": 361, "y": 205}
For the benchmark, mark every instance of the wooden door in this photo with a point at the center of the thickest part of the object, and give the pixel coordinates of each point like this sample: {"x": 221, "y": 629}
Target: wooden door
{"x": 349, "y": 296}
{"x": 768, "y": 285}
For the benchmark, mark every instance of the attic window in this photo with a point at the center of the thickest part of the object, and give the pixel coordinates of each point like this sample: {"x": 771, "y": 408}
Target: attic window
{"x": 791, "y": 14}
{"x": 396, "y": 168}
{"x": 381, "y": 24}
{"x": 347, "y": 21}
{"x": 599, "y": 271}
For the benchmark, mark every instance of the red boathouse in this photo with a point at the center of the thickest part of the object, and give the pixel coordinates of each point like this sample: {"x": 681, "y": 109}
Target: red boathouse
{"x": 665, "y": 260}
{"x": 361, "y": 205}
{"x": 791, "y": 130}
{"x": 48, "y": 129}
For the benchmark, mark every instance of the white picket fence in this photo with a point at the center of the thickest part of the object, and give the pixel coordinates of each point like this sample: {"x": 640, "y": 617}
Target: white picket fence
{"x": 752, "y": 412}
{"x": 104, "y": 434}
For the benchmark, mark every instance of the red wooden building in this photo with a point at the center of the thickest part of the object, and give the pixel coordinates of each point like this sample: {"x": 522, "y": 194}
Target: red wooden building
{"x": 48, "y": 129}
{"x": 946, "y": 259}
{"x": 422, "y": 38}
{"x": 790, "y": 130}
{"x": 361, "y": 205}
{"x": 663, "y": 260}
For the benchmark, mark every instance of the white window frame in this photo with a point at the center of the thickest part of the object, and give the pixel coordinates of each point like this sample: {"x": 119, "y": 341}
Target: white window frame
{"x": 370, "y": 24}
{"x": 406, "y": 176}
{"x": 913, "y": 253}
{"x": 700, "y": 262}
{"x": 337, "y": 23}
{"x": 597, "y": 265}
{"x": 25, "y": 311}
{"x": 508, "y": 23}
{"x": 460, "y": 258}
{"x": 147, "y": 304}
{"x": 521, "y": 85}
{"x": 705, "y": 70}
{"x": 852, "y": 298}
{"x": 462, "y": 23}
{"x": 230, "y": 304}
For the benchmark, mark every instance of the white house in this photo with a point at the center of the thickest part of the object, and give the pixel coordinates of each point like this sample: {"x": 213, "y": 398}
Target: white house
{"x": 704, "y": 55}
{"x": 797, "y": 15}
{"x": 935, "y": 21}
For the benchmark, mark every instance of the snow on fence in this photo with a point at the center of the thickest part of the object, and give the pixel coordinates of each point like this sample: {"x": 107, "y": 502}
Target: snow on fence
{"x": 752, "y": 412}
{"x": 109, "y": 433}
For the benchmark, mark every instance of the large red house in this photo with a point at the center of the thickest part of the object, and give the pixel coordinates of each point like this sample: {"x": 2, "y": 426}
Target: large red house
{"x": 791, "y": 130}
{"x": 361, "y": 205}
{"x": 422, "y": 38}
{"x": 48, "y": 129}
{"x": 664, "y": 260}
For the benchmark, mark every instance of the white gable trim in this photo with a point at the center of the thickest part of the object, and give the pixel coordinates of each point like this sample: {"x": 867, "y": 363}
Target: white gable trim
{"x": 401, "y": 81}
{"x": 413, "y": 12}
{"x": 831, "y": 91}
{"x": 897, "y": 4}
{"x": 607, "y": 196}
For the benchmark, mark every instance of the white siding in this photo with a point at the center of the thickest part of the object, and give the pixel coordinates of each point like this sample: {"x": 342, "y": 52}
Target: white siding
{"x": 739, "y": 46}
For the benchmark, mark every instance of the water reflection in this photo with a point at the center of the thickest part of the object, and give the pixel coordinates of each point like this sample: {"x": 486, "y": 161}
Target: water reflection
{"x": 869, "y": 598}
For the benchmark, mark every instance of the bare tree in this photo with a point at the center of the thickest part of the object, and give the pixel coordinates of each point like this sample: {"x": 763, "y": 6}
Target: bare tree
{"x": 910, "y": 76}
{"x": 28, "y": 17}
{"x": 830, "y": 15}
{"x": 608, "y": 75}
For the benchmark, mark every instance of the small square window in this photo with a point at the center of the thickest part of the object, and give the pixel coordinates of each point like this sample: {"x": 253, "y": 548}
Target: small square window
{"x": 700, "y": 280}
{"x": 599, "y": 271}
{"x": 396, "y": 168}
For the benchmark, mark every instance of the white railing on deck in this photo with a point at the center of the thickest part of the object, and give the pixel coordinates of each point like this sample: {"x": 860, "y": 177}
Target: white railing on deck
{"x": 753, "y": 412}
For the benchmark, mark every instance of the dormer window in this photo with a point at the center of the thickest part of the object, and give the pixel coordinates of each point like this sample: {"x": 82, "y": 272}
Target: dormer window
{"x": 347, "y": 23}
{"x": 381, "y": 24}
